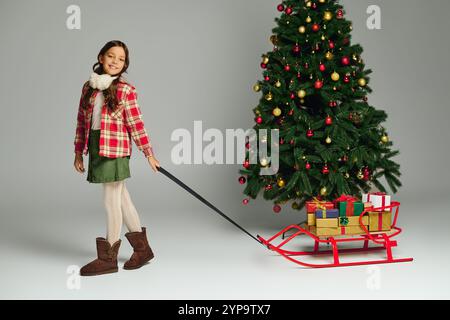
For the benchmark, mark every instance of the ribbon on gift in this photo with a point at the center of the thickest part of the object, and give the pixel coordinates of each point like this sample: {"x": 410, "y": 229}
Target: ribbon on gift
{"x": 342, "y": 230}
{"x": 343, "y": 221}
{"x": 319, "y": 205}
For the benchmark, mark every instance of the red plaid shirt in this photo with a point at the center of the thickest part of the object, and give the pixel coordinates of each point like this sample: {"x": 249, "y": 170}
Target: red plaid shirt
{"x": 117, "y": 127}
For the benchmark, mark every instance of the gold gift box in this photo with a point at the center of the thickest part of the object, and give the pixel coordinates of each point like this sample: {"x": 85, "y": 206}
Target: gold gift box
{"x": 327, "y": 223}
{"x": 354, "y": 221}
{"x": 352, "y": 230}
{"x": 374, "y": 221}
{"x": 311, "y": 219}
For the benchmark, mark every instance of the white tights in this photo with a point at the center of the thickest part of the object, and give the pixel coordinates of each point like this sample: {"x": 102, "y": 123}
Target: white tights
{"x": 119, "y": 207}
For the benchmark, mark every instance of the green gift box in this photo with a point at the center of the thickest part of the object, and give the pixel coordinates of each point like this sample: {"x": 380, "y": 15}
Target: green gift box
{"x": 349, "y": 206}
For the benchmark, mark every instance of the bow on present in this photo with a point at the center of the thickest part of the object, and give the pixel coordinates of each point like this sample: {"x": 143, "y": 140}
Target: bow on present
{"x": 349, "y": 208}
{"x": 319, "y": 205}
{"x": 343, "y": 221}
{"x": 345, "y": 197}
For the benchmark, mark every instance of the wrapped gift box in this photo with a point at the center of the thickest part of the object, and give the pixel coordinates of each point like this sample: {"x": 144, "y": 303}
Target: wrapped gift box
{"x": 378, "y": 199}
{"x": 380, "y": 221}
{"x": 312, "y": 206}
{"x": 352, "y": 230}
{"x": 311, "y": 219}
{"x": 327, "y": 223}
{"x": 328, "y": 213}
{"x": 353, "y": 221}
{"x": 349, "y": 206}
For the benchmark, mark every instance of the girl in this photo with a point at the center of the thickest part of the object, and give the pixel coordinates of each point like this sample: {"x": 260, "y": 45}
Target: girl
{"x": 108, "y": 117}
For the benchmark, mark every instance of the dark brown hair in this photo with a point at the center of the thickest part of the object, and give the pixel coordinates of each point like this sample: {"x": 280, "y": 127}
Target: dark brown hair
{"x": 110, "y": 93}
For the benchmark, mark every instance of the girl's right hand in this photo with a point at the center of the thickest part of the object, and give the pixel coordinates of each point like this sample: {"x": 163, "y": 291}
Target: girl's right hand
{"x": 78, "y": 163}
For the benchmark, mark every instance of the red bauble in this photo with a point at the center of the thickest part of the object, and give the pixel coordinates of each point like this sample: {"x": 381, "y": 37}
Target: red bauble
{"x": 346, "y": 41}
{"x": 268, "y": 187}
{"x": 331, "y": 44}
{"x": 314, "y": 5}
{"x": 276, "y": 208}
{"x": 306, "y": 65}
{"x": 333, "y": 104}
{"x": 247, "y": 145}
{"x": 292, "y": 141}
{"x": 310, "y": 133}
{"x": 291, "y": 112}
{"x": 299, "y": 75}
{"x": 280, "y": 7}
{"x": 322, "y": 67}
{"x": 296, "y": 48}
{"x": 246, "y": 164}
{"x": 242, "y": 180}
{"x": 287, "y": 67}
{"x": 345, "y": 158}
{"x": 307, "y": 166}
{"x": 292, "y": 95}
{"x": 345, "y": 61}
{"x": 318, "y": 84}
{"x": 288, "y": 10}
{"x": 263, "y": 65}
{"x": 329, "y": 121}
{"x": 315, "y": 27}
{"x": 346, "y": 79}
{"x": 245, "y": 201}
{"x": 281, "y": 141}
{"x": 259, "y": 120}
{"x": 325, "y": 169}
{"x": 340, "y": 14}
{"x": 267, "y": 78}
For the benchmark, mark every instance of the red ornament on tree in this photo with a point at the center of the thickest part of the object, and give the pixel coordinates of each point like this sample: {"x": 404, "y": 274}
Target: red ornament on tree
{"x": 288, "y": 10}
{"x": 346, "y": 79}
{"x": 268, "y": 187}
{"x": 296, "y": 48}
{"x": 291, "y": 112}
{"x": 299, "y": 75}
{"x": 292, "y": 95}
{"x": 280, "y": 7}
{"x": 331, "y": 44}
{"x": 263, "y": 65}
{"x": 276, "y": 208}
{"x": 287, "y": 67}
{"x": 246, "y": 164}
{"x": 328, "y": 121}
{"x": 267, "y": 78}
{"x": 315, "y": 27}
{"x": 325, "y": 169}
{"x": 242, "y": 180}
{"x": 322, "y": 67}
{"x": 245, "y": 201}
{"x": 340, "y": 14}
{"x": 259, "y": 120}
{"x": 309, "y": 133}
{"x": 281, "y": 141}
{"x": 307, "y": 166}
{"x": 247, "y": 145}
{"x": 345, "y": 61}
{"x": 318, "y": 84}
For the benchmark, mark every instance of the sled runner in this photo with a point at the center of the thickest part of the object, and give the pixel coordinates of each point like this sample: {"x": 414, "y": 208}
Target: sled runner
{"x": 381, "y": 239}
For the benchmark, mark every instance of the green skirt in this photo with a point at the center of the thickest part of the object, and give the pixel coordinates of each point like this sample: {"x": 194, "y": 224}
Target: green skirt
{"x": 103, "y": 169}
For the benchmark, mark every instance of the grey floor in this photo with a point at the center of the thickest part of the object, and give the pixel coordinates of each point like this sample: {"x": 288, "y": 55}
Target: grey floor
{"x": 200, "y": 256}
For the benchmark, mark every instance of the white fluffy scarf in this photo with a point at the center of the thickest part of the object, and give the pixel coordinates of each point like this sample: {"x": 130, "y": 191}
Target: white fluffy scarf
{"x": 101, "y": 81}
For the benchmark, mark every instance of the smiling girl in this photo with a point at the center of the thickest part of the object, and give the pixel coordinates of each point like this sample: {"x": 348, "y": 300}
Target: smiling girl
{"x": 109, "y": 117}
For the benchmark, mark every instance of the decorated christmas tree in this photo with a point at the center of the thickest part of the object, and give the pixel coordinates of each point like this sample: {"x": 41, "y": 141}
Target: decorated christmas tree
{"x": 314, "y": 90}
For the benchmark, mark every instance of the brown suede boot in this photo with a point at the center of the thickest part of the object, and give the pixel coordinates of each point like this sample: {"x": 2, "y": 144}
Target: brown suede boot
{"x": 106, "y": 261}
{"x": 142, "y": 251}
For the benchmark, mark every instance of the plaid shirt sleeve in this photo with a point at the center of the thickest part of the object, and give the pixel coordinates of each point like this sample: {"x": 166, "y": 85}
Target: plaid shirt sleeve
{"x": 79, "y": 131}
{"x": 135, "y": 124}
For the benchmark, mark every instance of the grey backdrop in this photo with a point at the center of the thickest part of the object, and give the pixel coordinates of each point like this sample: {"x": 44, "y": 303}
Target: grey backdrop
{"x": 197, "y": 60}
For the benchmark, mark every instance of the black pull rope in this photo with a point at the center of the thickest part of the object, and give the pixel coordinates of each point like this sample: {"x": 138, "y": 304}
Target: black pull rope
{"x": 195, "y": 194}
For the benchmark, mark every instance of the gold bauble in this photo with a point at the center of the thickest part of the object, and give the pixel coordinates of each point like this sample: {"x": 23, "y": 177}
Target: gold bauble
{"x": 385, "y": 139}
{"x": 327, "y": 16}
{"x": 328, "y": 140}
{"x": 329, "y": 55}
{"x": 276, "y": 112}
{"x": 360, "y": 175}
{"x": 274, "y": 39}
{"x": 346, "y": 175}
{"x": 295, "y": 206}
{"x": 256, "y": 88}
{"x": 308, "y": 19}
{"x": 323, "y": 191}
{"x": 323, "y": 38}
{"x": 269, "y": 97}
{"x": 264, "y": 162}
{"x": 322, "y": 1}
{"x": 362, "y": 82}
{"x": 265, "y": 60}
{"x": 278, "y": 84}
{"x": 302, "y": 29}
{"x": 281, "y": 183}
{"x": 301, "y": 93}
{"x": 298, "y": 193}
{"x": 335, "y": 76}
{"x": 308, "y": 4}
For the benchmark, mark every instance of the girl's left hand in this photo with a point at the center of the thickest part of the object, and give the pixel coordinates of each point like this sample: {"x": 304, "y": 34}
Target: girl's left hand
{"x": 153, "y": 163}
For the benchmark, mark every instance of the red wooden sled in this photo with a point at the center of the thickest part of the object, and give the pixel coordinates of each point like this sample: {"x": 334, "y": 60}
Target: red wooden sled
{"x": 383, "y": 240}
